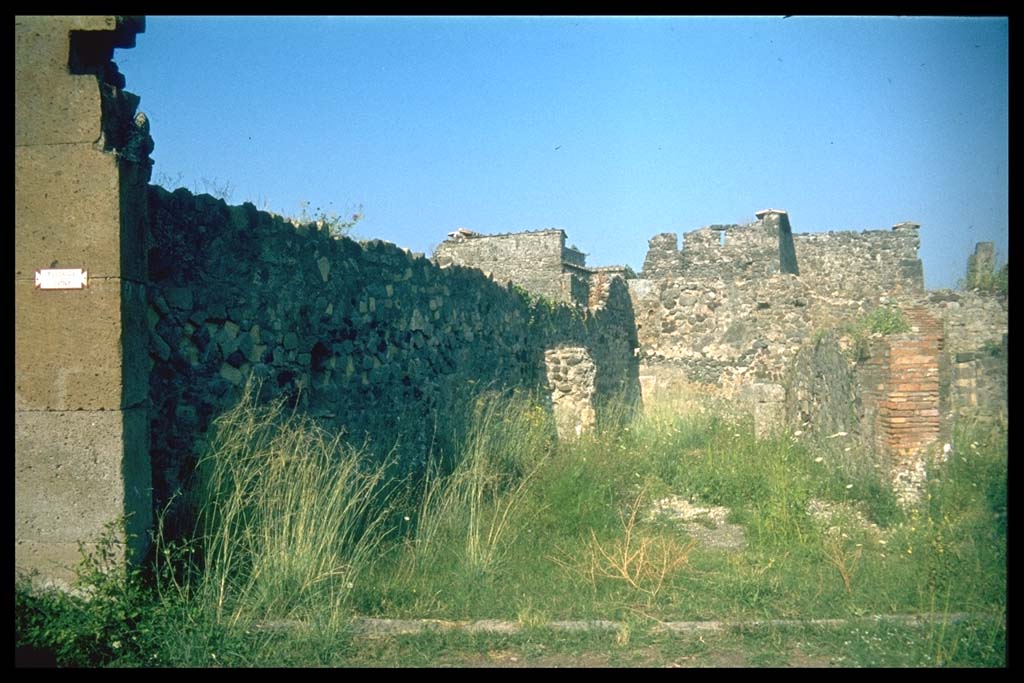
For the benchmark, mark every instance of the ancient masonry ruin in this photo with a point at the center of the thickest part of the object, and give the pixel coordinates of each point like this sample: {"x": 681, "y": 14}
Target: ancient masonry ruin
{"x": 141, "y": 314}
{"x": 744, "y": 312}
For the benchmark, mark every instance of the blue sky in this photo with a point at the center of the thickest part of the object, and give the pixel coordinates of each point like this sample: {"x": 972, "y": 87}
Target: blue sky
{"x": 613, "y": 129}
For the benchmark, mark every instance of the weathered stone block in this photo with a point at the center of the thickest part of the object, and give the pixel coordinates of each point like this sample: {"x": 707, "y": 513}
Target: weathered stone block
{"x": 51, "y": 105}
{"x": 75, "y": 472}
{"x": 179, "y": 298}
{"x": 231, "y": 374}
{"x": 67, "y": 346}
{"x": 67, "y": 207}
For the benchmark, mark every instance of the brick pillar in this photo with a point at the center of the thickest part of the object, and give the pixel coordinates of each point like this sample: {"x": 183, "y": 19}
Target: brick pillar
{"x": 81, "y": 369}
{"x": 909, "y": 419}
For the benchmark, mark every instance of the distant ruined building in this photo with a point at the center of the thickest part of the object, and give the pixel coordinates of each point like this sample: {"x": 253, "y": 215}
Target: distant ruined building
{"x": 742, "y": 311}
{"x": 141, "y": 314}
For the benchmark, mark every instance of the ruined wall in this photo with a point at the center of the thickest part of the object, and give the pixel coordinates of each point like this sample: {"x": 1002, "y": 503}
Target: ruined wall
{"x": 744, "y": 311}
{"x": 537, "y": 261}
{"x": 826, "y": 393}
{"x": 844, "y": 265}
{"x": 731, "y": 252}
{"x": 979, "y": 386}
{"x": 365, "y": 336}
{"x": 862, "y": 265}
{"x": 719, "y": 332}
{"x": 974, "y": 373}
{"x": 731, "y": 308}
{"x": 80, "y": 428}
{"x": 982, "y": 272}
{"x": 972, "y": 321}
{"x": 884, "y": 403}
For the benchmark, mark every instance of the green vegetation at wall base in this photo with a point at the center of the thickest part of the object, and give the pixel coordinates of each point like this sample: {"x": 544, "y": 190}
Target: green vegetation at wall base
{"x": 299, "y": 535}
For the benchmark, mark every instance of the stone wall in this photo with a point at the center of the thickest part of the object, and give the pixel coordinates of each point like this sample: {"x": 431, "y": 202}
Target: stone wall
{"x": 975, "y": 355}
{"x": 841, "y": 268}
{"x": 862, "y": 265}
{"x": 730, "y": 252}
{"x": 981, "y": 267}
{"x": 719, "y": 332}
{"x": 80, "y": 428}
{"x": 537, "y": 261}
{"x": 731, "y": 308}
{"x": 825, "y": 394}
{"x": 366, "y": 336}
{"x": 972, "y": 320}
{"x": 845, "y": 265}
{"x": 732, "y": 314}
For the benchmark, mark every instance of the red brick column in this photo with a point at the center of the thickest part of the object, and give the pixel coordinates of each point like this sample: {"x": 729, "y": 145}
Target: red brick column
{"x": 908, "y": 415}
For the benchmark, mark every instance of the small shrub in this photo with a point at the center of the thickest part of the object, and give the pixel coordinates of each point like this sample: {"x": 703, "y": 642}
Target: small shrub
{"x": 335, "y": 224}
{"x": 884, "y": 320}
{"x": 109, "y": 616}
{"x": 640, "y": 559}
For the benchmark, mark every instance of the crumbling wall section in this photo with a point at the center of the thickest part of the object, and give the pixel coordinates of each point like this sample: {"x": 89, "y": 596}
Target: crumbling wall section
{"x": 570, "y": 373}
{"x": 532, "y": 260}
{"x": 826, "y": 396}
{"x": 731, "y": 252}
{"x": 663, "y": 257}
{"x": 974, "y": 371}
{"x": 864, "y": 265}
{"x": 843, "y": 265}
{"x": 718, "y": 332}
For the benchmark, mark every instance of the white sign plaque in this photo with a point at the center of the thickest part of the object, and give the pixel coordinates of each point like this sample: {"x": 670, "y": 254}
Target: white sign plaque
{"x": 62, "y": 278}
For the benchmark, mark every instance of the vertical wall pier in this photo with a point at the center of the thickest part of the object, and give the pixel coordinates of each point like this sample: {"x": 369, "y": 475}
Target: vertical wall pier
{"x": 571, "y": 372}
{"x": 981, "y": 265}
{"x": 909, "y": 415}
{"x": 911, "y": 268}
{"x": 80, "y": 421}
{"x": 779, "y": 219}
{"x": 768, "y": 403}
{"x": 663, "y": 257}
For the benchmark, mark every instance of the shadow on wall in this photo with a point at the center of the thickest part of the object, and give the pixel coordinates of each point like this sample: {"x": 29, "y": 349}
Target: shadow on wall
{"x": 385, "y": 346}
{"x": 614, "y": 348}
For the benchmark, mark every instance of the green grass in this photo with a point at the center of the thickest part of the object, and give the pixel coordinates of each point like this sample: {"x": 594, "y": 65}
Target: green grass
{"x": 297, "y": 526}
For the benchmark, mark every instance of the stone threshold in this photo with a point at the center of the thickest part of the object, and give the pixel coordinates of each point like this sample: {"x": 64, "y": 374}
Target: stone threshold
{"x": 372, "y": 627}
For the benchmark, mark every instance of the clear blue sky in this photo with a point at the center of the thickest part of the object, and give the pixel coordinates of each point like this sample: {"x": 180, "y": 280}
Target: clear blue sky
{"x": 613, "y": 129}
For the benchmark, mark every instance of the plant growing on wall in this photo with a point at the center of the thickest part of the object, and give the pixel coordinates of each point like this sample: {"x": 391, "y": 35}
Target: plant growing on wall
{"x": 331, "y": 221}
{"x": 988, "y": 279}
{"x": 884, "y": 320}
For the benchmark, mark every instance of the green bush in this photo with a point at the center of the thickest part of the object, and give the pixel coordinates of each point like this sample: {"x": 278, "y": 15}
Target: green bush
{"x": 884, "y": 320}
{"x": 113, "y": 613}
{"x": 335, "y": 224}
